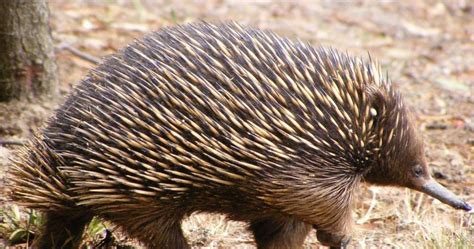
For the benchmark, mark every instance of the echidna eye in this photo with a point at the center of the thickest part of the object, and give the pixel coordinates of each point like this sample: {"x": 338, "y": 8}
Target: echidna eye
{"x": 418, "y": 170}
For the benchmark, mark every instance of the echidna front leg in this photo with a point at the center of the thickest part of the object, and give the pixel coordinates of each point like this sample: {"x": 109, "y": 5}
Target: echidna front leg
{"x": 279, "y": 233}
{"x": 61, "y": 230}
{"x": 336, "y": 234}
{"x": 334, "y": 240}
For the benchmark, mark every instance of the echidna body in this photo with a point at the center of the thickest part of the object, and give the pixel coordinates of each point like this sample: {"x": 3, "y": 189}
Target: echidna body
{"x": 221, "y": 119}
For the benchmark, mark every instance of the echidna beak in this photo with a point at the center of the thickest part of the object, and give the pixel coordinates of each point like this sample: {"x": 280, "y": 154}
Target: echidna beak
{"x": 439, "y": 192}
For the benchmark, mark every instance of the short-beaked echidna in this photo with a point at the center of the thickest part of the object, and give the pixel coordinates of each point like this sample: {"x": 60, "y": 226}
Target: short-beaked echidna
{"x": 221, "y": 119}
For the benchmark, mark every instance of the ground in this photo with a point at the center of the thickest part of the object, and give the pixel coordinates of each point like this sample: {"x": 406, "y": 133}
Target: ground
{"x": 425, "y": 46}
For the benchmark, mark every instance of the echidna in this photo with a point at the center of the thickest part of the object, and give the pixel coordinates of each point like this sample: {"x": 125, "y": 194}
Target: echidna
{"x": 221, "y": 119}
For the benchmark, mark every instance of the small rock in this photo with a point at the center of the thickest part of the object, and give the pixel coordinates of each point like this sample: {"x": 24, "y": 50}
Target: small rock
{"x": 470, "y": 141}
{"x": 469, "y": 125}
{"x": 439, "y": 175}
{"x": 436, "y": 125}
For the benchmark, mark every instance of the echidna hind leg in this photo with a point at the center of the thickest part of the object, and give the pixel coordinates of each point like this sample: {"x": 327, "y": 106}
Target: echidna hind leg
{"x": 152, "y": 231}
{"x": 289, "y": 233}
{"x": 62, "y": 230}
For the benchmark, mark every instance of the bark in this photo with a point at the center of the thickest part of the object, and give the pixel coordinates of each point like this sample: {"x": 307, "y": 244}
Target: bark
{"x": 27, "y": 64}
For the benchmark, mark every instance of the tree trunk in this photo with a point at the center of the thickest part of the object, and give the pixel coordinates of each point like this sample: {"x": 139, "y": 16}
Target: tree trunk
{"x": 27, "y": 66}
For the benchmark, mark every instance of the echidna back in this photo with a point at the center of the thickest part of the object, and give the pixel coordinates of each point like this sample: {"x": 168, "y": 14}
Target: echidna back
{"x": 202, "y": 107}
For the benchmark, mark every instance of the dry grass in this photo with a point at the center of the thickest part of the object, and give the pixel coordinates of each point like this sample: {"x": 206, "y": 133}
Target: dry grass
{"x": 426, "y": 46}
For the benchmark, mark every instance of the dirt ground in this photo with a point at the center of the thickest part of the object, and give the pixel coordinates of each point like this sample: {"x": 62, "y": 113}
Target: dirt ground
{"x": 427, "y": 48}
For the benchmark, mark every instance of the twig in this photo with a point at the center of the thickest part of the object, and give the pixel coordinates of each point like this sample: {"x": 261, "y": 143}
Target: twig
{"x": 83, "y": 55}
{"x": 30, "y": 213}
{"x": 12, "y": 142}
{"x": 373, "y": 202}
{"x": 419, "y": 203}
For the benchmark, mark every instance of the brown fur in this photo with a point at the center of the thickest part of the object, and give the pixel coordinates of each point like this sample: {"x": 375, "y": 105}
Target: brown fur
{"x": 219, "y": 119}
{"x": 62, "y": 230}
